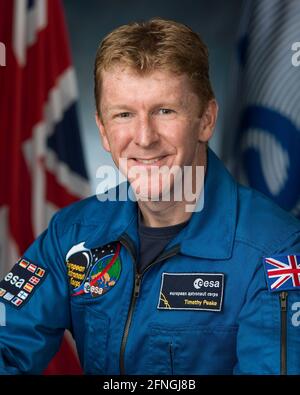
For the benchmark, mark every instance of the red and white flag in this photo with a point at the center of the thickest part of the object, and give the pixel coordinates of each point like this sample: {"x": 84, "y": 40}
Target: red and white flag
{"x": 41, "y": 160}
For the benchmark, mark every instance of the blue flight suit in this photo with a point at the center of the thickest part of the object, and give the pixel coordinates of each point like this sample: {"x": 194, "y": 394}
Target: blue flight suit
{"x": 203, "y": 307}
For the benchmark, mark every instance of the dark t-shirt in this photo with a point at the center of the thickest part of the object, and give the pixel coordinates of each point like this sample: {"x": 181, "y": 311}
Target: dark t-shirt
{"x": 154, "y": 240}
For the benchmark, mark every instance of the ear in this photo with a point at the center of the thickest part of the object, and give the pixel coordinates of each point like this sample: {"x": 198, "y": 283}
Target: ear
{"x": 208, "y": 121}
{"x": 103, "y": 135}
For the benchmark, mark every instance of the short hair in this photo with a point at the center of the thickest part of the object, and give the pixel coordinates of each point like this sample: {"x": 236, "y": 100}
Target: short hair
{"x": 157, "y": 44}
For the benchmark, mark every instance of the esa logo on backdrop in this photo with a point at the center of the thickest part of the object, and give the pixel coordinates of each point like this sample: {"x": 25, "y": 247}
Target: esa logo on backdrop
{"x": 296, "y": 55}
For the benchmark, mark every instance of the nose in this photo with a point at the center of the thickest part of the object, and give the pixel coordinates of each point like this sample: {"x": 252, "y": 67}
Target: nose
{"x": 145, "y": 134}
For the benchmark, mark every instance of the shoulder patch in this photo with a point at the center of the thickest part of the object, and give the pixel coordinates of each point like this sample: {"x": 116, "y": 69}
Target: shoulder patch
{"x": 282, "y": 272}
{"x": 21, "y": 282}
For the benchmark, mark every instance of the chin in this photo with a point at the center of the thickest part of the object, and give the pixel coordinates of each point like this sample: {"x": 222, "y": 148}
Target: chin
{"x": 153, "y": 195}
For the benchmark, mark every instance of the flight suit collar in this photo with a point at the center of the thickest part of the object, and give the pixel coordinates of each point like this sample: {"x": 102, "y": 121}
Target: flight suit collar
{"x": 115, "y": 219}
{"x": 209, "y": 234}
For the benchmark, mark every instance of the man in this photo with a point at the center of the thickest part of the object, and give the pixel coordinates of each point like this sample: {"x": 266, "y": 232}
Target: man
{"x": 160, "y": 285}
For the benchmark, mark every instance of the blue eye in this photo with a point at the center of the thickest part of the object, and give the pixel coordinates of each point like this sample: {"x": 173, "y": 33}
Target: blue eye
{"x": 165, "y": 111}
{"x": 124, "y": 115}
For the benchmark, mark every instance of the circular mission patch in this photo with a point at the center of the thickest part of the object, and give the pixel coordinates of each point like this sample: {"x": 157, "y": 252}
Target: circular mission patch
{"x": 93, "y": 271}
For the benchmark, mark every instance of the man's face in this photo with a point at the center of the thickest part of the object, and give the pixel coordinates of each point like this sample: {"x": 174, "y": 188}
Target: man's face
{"x": 153, "y": 121}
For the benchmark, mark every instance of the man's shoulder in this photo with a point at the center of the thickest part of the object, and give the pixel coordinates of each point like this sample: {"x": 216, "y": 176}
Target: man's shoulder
{"x": 263, "y": 223}
{"x": 90, "y": 212}
{"x": 79, "y": 212}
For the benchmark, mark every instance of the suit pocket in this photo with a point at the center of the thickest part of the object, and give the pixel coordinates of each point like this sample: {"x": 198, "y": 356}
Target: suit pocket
{"x": 192, "y": 350}
{"x": 95, "y": 342}
{"x": 90, "y": 330}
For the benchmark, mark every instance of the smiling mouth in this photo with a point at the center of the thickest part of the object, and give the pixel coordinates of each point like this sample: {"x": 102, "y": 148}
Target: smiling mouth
{"x": 151, "y": 161}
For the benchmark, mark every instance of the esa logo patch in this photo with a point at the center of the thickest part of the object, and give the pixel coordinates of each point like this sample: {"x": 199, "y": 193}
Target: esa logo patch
{"x": 19, "y": 284}
{"x": 93, "y": 272}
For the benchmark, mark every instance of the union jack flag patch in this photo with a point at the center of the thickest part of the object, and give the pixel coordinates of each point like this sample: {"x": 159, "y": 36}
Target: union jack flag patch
{"x": 282, "y": 272}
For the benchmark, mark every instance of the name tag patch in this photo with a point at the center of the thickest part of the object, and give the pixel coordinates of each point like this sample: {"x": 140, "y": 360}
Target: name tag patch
{"x": 20, "y": 283}
{"x": 191, "y": 291}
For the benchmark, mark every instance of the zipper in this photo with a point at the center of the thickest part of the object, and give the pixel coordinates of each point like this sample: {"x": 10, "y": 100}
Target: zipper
{"x": 127, "y": 243}
{"x": 283, "y": 335}
{"x": 171, "y": 350}
{"x": 137, "y": 278}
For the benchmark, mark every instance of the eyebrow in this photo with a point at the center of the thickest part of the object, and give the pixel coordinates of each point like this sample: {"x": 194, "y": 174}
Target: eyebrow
{"x": 117, "y": 108}
{"x": 126, "y": 107}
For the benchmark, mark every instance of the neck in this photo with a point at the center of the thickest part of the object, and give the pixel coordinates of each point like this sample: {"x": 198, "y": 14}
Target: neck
{"x": 161, "y": 214}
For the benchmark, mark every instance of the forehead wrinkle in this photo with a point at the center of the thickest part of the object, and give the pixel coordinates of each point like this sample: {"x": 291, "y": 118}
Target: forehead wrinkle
{"x": 120, "y": 83}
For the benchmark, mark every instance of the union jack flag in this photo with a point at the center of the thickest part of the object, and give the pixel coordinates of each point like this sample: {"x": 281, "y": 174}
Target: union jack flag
{"x": 282, "y": 272}
{"x": 41, "y": 161}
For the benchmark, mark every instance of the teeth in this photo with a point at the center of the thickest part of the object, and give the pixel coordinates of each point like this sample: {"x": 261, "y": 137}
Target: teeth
{"x": 148, "y": 161}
